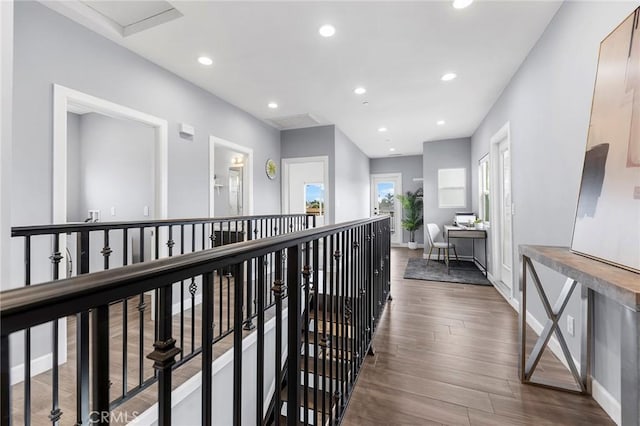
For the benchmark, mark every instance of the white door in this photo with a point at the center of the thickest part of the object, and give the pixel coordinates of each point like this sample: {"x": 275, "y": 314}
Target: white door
{"x": 384, "y": 189}
{"x": 505, "y": 230}
{"x": 305, "y": 187}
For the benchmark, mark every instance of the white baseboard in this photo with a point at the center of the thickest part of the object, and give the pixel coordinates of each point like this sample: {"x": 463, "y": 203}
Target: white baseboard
{"x": 193, "y": 384}
{"x": 609, "y": 404}
{"x": 38, "y": 366}
{"x": 43, "y": 363}
{"x": 175, "y": 308}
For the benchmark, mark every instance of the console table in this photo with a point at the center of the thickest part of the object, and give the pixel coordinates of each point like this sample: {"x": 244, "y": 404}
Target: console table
{"x": 594, "y": 276}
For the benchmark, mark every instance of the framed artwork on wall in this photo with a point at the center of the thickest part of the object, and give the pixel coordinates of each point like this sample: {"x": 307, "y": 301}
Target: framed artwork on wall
{"x": 607, "y": 225}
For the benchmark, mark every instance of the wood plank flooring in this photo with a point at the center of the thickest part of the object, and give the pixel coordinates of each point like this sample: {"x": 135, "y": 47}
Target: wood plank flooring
{"x": 447, "y": 354}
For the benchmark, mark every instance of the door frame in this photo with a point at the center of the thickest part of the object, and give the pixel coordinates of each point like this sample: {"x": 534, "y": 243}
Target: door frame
{"x": 324, "y": 159}
{"x": 502, "y": 135}
{"x": 67, "y": 100}
{"x": 247, "y": 174}
{"x": 398, "y": 206}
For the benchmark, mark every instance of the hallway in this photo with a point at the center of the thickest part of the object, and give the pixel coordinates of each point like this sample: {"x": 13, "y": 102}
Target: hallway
{"x": 447, "y": 354}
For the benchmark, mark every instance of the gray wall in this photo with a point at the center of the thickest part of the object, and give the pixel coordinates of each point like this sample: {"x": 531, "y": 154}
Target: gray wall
{"x": 410, "y": 167}
{"x": 548, "y": 105}
{"x": 73, "y": 169}
{"x": 6, "y": 136}
{"x": 445, "y": 154}
{"x": 313, "y": 142}
{"x": 50, "y": 48}
{"x": 352, "y": 197}
{"x": 115, "y": 169}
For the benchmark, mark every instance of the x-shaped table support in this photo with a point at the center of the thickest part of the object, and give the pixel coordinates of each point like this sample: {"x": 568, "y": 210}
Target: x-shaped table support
{"x": 528, "y": 365}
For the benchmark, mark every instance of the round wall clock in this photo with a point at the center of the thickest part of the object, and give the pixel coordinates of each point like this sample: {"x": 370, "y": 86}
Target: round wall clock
{"x": 271, "y": 168}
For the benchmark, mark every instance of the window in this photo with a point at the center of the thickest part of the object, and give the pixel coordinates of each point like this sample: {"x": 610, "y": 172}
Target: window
{"x": 483, "y": 182}
{"x": 314, "y": 198}
{"x": 452, "y": 188}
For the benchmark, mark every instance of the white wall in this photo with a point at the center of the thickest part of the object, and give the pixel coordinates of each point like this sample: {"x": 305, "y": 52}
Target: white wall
{"x": 6, "y": 137}
{"x": 299, "y": 175}
{"x": 352, "y": 196}
{"x": 115, "y": 165}
{"x": 548, "y": 105}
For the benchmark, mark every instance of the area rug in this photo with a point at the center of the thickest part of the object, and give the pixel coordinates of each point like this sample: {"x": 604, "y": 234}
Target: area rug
{"x": 461, "y": 272}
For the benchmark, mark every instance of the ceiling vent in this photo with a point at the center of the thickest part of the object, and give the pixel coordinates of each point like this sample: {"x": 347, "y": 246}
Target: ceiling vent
{"x": 298, "y": 121}
{"x": 123, "y": 18}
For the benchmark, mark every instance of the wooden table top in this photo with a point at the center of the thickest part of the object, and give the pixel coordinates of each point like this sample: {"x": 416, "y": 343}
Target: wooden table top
{"x": 612, "y": 281}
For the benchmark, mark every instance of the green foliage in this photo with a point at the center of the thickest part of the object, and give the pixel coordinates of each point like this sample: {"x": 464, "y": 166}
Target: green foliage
{"x": 412, "y": 209}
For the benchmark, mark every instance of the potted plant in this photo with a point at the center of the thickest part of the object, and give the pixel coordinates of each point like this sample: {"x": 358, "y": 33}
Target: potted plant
{"x": 412, "y": 210}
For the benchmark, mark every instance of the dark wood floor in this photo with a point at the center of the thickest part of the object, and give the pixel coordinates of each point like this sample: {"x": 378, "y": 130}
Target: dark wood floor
{"x": 447, "y": 354}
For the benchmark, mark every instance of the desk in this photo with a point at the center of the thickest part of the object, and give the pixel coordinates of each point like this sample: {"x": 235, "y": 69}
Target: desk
{"x": 615, "y": 283}
{"x": 468, "y": 233}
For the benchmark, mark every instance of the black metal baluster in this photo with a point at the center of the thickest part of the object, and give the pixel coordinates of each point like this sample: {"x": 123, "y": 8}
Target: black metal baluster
{"x": 238, "y": 314}
{"x": 228, "y": 275}
{"x": 193, "y": 288}
{"x": 293, "y": 334}
{"x": 125, "y": 320}
{"x": 316, "y": 348}
{"x": 248, "y": 325}
{"x": 56, "y": 413}
{"x": 325, "y": 342}
{"x": 100, "y": 361}
{"x": 339, "y": 311}
{"x": 27, "y": 337}
{"x": 207, "y": 349}
{"x": 220, "y": 291}
{"x": 260, "y": 344}
{"x": 82, "y": 337}
{"x": 141, "y": 308}
{"x": 331, "y": 350}
{"x": 106, "y": 250}
{"x": 163, "y": 355}
{"x": 278, "y": 290}
{"x": 306, "y": 273}
{"x": 182, "y": 296}
{"x": 5, "y": 382}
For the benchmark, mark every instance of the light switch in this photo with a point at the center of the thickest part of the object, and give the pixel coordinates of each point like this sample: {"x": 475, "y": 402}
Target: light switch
{"x": 145, "y": 211}
{"x": 113, "y": 211}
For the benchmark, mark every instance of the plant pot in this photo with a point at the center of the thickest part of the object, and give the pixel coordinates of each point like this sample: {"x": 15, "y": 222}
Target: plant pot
{"x": 412, "y": 245}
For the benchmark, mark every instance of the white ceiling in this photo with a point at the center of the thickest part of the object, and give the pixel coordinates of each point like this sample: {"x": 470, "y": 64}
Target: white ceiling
{"x": 271, "y": 51}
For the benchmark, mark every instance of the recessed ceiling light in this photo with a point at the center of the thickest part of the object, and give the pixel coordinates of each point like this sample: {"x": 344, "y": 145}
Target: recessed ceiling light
{"x": 382, "y": 129}
{"x": 327, "y": 30}
{"x": 360, "y": 91}
{"x": 205, "y": 60}
{"x": 365, "y": 103}
{"x": 272, "y": 105}
{"x": 392, "y": 149}
{"x": 441, "y": 123}
{"x": 448, "y": 76}
{"x": 461, "y": 4}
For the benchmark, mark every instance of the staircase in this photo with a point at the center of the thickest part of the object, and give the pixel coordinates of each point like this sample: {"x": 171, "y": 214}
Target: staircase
{"x": 329, "y": 353}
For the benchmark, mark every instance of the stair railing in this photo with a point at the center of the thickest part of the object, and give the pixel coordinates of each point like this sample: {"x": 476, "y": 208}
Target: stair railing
{"x": 339, "y": 272}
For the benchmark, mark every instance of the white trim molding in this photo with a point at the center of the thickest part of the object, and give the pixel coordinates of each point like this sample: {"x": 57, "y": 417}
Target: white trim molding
{"x": 65, "y": 99}
{"x": 247, "y": 173}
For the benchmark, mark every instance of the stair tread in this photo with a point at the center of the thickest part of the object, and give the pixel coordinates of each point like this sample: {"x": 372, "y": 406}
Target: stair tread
{"x": 329, "y": 365}
{"x": 322, "y": 326}
{"x": 310, "y": 398}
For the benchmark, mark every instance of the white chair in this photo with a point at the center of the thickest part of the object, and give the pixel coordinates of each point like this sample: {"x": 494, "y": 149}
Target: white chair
{"x": 433, "y": 231}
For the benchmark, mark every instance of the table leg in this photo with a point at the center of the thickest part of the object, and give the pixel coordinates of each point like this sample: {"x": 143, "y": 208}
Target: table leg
{"x": 446, "y": 254}
{"x": 630, "y": 367}
{"x": 486, "y": 262}
{"x": 522, "y": 353}
{"x": 586, "y": 338}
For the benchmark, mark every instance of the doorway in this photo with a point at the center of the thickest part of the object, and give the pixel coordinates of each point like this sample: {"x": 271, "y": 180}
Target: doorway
{"x": 230, "y": 178}
{"x": 305, "y": 187}
{"x": 384, "y": 200}
{"x": 502, "y": 214}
